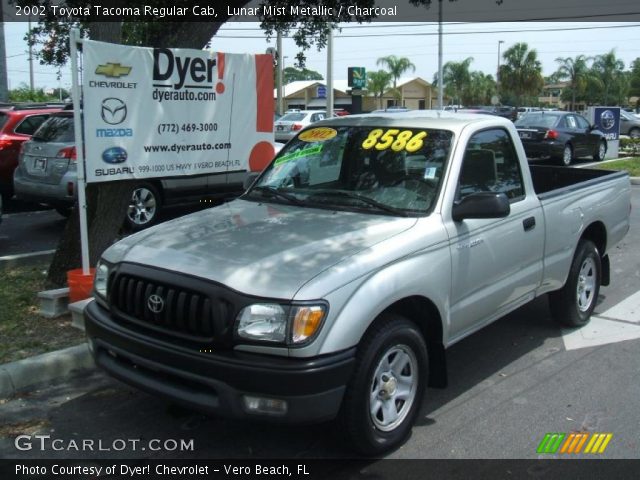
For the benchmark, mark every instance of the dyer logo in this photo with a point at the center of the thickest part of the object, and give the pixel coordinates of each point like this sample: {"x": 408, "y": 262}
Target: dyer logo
{"x": 113, "y": 70}
{"x": 114, "y": 111}
{"x": 574, "y": 442}
{"x": 191, "y": 72}
{"x": 114, "y": 155}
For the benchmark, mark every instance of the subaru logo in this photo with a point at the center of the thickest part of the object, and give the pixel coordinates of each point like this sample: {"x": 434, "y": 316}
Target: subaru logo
{"x": 155, "y": 303}
{"x": 114, "y": 111}
{"x": 114, "y": 155}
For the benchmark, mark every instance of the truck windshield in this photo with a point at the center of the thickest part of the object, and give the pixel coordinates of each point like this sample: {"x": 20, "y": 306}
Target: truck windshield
{"x": 391, "y": 171}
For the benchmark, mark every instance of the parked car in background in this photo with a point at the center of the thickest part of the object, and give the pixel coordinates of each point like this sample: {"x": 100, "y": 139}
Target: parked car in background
{"x": 562, "y": 136}
{"x": 288, "y": 126}
{"x": 629, "y": 124}
{"x": 524, "y": 110}
{"x": 480, "y": 110}
{"x": 340, "y": 112}
{"x": 506, "y": 111}
{"x": 17, "y": 124}
{"x": 47, "y": 173}
{"x": 391, "y": 110}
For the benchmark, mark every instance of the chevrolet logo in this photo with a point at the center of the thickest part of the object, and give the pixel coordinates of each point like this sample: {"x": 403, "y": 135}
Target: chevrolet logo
{"x": 114, "y": 70}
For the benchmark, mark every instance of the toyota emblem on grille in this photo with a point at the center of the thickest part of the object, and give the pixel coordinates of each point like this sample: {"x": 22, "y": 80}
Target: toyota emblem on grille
{"x": 155, "y": 303}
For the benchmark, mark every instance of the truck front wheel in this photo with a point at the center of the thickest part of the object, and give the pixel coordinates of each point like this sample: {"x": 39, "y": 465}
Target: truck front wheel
{"x": 387, "y": 386}
{"x": 573, "y": 304}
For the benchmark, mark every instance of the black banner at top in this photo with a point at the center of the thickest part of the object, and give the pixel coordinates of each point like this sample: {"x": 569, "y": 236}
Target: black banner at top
{"x": 292, "y": 11}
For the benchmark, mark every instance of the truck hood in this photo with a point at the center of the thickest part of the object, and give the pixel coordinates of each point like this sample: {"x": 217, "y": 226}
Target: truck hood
{"x": 267, "y": 250}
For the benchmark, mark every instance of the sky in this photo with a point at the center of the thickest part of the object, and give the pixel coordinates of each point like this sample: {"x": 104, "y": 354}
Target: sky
{"x": 362, "y": 45}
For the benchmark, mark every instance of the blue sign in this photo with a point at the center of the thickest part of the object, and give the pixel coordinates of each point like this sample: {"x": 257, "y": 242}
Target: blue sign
{"x": 607, "y": 120}
{"x": 321, "y": 91}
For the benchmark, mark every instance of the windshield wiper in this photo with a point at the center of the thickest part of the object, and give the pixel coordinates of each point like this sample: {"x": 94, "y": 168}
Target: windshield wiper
{"x": 267, "y": 190}
{"x": 361, "y": 198}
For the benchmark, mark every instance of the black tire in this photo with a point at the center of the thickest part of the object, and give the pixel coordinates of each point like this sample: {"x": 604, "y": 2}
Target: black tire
{"x": 634, "y": 132}
{"x": 144, "y": 207}
{"x": 573, "y": 304}
{"x": 567, "y": 155}
{"x": 601, "y": 151}
{"x": 392, "y": 337}
{"x": 64, "y": 211}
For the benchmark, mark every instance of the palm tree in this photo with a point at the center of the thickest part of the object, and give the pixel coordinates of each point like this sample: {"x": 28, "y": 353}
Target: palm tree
{"x": 576, "y": 71}
{"x": 396, "y": 66}
{"x": 609, "y": 76}
{"x": 522, "y": 71}
{"x": 482, "y": 87}
{"x": 456, "y": 79}
{"x": 378, "y": 83}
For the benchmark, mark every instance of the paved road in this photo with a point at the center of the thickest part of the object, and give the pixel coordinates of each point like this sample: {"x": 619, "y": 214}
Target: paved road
{"x": 510, "y": 384}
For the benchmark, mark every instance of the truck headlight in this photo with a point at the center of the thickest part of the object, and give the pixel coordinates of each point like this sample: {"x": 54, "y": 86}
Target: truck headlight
{"x": 101, "y": 278}
{"x": 263, "y": 321}
{"x": 272, "y": 322}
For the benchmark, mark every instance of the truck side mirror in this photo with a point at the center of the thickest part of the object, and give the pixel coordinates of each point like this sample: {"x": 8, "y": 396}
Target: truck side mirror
{"x": 481, "y": 205}
{"x": 249, "y": 179}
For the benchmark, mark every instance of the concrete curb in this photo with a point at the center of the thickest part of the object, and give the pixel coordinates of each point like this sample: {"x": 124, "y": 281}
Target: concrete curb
{"x": 19, "y": 375}
{"x": 11, "y": 261}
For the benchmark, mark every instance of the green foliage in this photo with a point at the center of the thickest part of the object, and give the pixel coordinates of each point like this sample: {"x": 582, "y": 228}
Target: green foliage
{"x": 378, "y": 83}
{"x": 292, "y": 74}
{"x": 24, "y": 94}
{"x": 630, "y": 146}
{"x": 577, "y": 72}
{"x": 396, "y": 66}
{"x": 634, "y": 80}
{"x": 521, "y": 74}
{"x": 456, "y": 79}
{"x": 50, "y": 36}
{"x": 631, "y": 165}
{"x": 608, "y": 84}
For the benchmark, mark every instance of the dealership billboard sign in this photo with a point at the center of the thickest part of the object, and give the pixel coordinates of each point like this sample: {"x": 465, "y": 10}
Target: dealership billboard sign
{"x": 159, "y": 112}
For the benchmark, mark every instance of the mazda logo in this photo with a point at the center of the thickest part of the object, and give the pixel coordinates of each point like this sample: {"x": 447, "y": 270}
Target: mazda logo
{"x": 155, "y": 303}
{"x": 114, "y": 111}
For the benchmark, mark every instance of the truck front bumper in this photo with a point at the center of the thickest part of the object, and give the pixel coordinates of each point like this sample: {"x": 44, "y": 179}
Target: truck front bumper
{"x": 220, "y": 382}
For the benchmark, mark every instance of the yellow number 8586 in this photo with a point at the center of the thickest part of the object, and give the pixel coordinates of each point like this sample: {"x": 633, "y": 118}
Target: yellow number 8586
{"x": 395, "y": 139}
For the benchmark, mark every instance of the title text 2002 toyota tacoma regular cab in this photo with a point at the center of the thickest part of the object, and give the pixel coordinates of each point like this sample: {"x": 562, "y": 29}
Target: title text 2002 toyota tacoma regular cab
{"x": 333, "y": 286}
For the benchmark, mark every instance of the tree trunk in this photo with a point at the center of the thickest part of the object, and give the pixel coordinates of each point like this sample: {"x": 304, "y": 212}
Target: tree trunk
{"x": 107, "y": 202}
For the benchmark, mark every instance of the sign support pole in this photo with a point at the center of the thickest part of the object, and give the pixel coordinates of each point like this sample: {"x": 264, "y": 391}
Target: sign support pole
{"x": 74, "y": 40}
{"x": 330, "y": 74}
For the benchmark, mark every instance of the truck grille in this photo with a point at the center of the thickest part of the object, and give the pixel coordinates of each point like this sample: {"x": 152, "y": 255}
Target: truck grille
{"x": 170, "y": 309}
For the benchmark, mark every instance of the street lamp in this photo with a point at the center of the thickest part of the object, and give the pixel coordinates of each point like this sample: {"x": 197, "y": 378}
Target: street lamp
{"x": 500, "y": 42}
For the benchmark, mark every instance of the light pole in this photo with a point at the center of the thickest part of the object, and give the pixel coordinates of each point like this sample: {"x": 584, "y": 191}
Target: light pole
{"x": 500, "y": 42}
{"x": 440, "y": 83}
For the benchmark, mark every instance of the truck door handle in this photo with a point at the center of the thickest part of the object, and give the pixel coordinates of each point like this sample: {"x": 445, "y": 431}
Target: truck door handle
{"x": 529, "y": 223}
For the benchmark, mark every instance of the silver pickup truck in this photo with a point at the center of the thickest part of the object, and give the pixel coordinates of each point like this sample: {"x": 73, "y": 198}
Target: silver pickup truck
{"x": 333, "y": 286}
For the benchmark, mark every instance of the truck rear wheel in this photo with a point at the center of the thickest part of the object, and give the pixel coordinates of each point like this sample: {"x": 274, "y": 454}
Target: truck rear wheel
{"x": 387, "y": 386}
{"x": 573, "y": 305}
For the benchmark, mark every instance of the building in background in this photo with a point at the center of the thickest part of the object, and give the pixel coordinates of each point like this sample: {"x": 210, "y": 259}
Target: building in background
{"x": 414, "y": 93}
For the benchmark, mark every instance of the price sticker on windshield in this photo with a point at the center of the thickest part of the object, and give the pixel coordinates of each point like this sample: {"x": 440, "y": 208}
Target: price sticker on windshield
{"x": 318, "y": 134}
{"x": 395, "y": 139}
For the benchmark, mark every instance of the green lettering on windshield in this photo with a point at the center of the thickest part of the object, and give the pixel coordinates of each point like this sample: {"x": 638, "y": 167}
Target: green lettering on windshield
{"x": 300, "y": 153}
